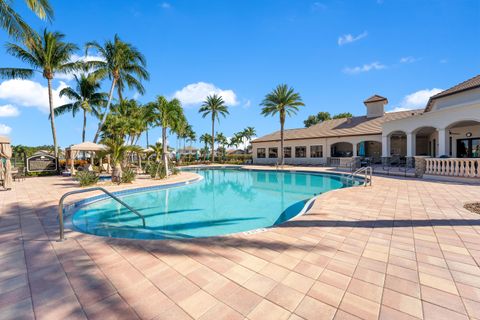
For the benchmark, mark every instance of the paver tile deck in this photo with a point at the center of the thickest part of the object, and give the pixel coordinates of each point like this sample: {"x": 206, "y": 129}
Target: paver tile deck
{"x": 401, "y": 249}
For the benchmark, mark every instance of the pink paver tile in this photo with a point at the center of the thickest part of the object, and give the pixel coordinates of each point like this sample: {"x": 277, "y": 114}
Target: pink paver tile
{"x": 113, "y": 307}
{"x": 181, "y": 289}
{"x": 298, "y": 282}
{"x": 221, "y": 311}
{"x": 468, "y": 292}
{"x": 473, "y": 308}
{"x": 403, "y": 286}
{"x": 342, "y": 315}
{"x": 266, "y": 310}
{"x": 260, "y": 284}
{"x": 365, "y": 290}
{"x": 308, "y": 269}
{"x": 434, "y": 312}
{"x": 387, "y": 313}
{"x": 438, "y": 283}
{"x": 374, "y": 277}
{"x": 359, "y": 306}
{"x": 198, "y": 304}
{"x": 285, "y": 296}
{"x": 242, "y": 300}
{"x": 274, "y": 272}
{"x": 174, "y": 312}
{"x": 443, "y": 299}
{"x": 403, "y": 303}
{"x": 335, "y": 279}
{"x": 326, "y": 293}
{"x": 312, "y": 309}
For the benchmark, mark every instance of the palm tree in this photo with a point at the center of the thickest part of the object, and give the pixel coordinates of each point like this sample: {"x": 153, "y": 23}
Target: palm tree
{"x": 206, "y": 139}
{"x": 123, "y": 64}
{"x": 46, "y": 54}
{"x": 222, "y": 141}
{"x": 285, "y": 101}
{"x": 168, "y": 115}
{"x": 118, "y": 152}
{"x": 191, "y": 136}
{"x": 248, "y": 133}
{"x": 214, "y": 106}
{"x": 14, "y": 24}
{"x": 85, "y": 97}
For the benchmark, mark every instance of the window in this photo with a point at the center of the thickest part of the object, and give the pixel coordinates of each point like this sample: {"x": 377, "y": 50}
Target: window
{"x": 273, "y": 152}
{"x": 300, "y": 152}
{"x": 316, "y": 152}
{"x": 287, "y": 152}
{"x": 261, "y": 153}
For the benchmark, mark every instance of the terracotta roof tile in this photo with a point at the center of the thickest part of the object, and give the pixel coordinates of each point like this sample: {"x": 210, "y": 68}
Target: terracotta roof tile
{"x": 355, "y": 126}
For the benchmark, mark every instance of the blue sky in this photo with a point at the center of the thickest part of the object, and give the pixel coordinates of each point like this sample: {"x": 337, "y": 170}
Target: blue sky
{"x": 334, "y": 53}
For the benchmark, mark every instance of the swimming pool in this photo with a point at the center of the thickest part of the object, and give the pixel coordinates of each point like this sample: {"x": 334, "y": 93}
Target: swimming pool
{"x": 225, "y": 201}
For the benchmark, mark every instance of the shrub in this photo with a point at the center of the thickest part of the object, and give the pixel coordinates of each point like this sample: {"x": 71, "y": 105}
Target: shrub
{"x": 151, "y": 169}
{"x": 86, "y": 178}
{"x": 128, "y": 176}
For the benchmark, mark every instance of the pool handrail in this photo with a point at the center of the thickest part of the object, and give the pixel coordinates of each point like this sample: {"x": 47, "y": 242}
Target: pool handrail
{"x": 111, "y": 195}
{"x": 367, "y": 172}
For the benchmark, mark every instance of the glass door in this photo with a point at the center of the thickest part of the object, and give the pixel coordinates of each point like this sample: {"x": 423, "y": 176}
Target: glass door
{"x": 468, "y": 148}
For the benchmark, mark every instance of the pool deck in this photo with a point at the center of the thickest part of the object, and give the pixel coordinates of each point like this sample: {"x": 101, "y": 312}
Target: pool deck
{"x": 401, "y": 249}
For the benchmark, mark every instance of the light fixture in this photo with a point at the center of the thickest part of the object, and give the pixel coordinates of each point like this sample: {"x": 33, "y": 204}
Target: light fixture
{"x": 469, "y": 134}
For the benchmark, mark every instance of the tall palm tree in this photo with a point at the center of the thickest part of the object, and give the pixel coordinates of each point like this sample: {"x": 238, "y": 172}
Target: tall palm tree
{"x": 192, "y": 136}
{"x": 123, "y": 64}
{"x": 248, "y": 133}
{"x": 213, "y": 106}
{"x": 284, "y": 101}
{"x": 14, "y": 24}
{"x": 85, "y": 97}
{"x": 46, "y": 54}
{"x": 168, "y": 115}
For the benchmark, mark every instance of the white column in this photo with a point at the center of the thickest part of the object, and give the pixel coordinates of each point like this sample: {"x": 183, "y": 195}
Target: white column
{"x": 354, "y": 149}
{"x": 442, "y": 142}
{"x": 385, "y": 146}
{"x": 410, "y": 144}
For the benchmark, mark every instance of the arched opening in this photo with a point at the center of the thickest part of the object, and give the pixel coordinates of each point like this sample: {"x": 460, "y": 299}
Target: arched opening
{"x": 341, "y": 149}
{"x": 426, "y": 139}
{"x": 398, "y": 144}
{"x": 371, "y": 150}
{"x": 463, "y": 139}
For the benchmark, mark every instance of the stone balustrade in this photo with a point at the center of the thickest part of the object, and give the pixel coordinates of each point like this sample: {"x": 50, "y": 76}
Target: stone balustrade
{"x": 454, "y": 167}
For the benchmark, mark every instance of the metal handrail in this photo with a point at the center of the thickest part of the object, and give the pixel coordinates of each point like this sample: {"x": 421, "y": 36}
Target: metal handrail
{"x": 60, "y": 206}
{"x": 368, "y": 171}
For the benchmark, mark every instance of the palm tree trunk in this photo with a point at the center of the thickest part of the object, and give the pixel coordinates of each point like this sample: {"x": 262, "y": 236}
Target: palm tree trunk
{"x": 84, "y": 124}
{"x": 52, "y": 118}
{"x": 213, "y": 137}
{"x": 146, "y": 131}
{"x": 282, "y": 124}
{"x": 164, "y": 151}
{"x": 107, "y": 109}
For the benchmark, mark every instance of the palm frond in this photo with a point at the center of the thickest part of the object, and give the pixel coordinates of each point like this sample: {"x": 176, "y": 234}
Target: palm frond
{"x": 16, "y": 73}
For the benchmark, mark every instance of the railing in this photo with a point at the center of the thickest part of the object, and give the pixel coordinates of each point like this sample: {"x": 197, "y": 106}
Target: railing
{"x": 341, "y": 162}
{"x": 60, "y": 207}
{"x": 367, "y": 171}
{"x": 454, "y": 167}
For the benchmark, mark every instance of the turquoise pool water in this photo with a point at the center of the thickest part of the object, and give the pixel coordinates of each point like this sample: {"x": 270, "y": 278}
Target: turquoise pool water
{"x": 226, "y": 201}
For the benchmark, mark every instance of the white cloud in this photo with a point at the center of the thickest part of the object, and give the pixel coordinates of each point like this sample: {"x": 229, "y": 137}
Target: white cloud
{"x": 408, "y": 59}
{"x": 195, "y": 93}
{"x": 417, "y": 99}
{"x": 348, "y": 38}
{"x": 8, "y": 111}
{"x": 136, "y": 95}
{"x": 365, "y": 68}
{"x": 247, "y": 103}
{"x": 27, "y": 93}
{"x": 165, "y": 5}
{"x": 4, "y": 129}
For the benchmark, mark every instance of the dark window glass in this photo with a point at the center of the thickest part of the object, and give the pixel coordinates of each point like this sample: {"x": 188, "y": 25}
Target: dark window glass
{"x": 300, "y": 152}
{"x": 316, "y": 152}
{"x": 261, "y": 153}
{"x": 287, "y": 152}
{"x": 273, "y": 152}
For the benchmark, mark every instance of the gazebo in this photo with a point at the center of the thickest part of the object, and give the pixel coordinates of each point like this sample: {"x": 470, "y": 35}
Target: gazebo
{"x": 72, "y": 152}
{"x": 5, "y": 165}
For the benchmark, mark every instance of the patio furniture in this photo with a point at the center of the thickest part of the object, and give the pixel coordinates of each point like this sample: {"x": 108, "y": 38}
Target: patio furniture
{"x": 18, "y": 174}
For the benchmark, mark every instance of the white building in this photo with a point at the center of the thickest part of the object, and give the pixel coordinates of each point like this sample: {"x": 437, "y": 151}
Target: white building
{"x": 448, "y": 127}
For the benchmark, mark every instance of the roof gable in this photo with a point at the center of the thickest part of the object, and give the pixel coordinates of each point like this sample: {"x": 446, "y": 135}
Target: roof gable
{"x": 469, "y": 84}
{"x": 375, "y": 98}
